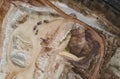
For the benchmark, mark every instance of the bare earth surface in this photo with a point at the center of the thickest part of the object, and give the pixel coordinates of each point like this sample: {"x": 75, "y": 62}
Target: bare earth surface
{"x": 40, "y": 43}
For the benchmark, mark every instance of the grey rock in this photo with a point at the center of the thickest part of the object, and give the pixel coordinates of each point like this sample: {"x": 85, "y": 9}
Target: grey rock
{"x": 114, "y": 63}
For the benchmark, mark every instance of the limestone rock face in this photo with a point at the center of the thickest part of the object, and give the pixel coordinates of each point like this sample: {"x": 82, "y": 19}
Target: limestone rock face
{"x": 32, "y": 43}
{"x": 39, "y": 43}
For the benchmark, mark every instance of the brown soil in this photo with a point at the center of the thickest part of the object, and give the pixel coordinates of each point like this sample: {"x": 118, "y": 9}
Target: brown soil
{"x": 111, "y": 42}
